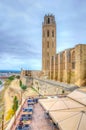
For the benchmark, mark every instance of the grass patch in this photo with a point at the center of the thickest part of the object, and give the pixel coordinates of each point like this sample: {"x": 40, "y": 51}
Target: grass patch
{"x": 34, "y": 89}
{"x": 9, "y": 80}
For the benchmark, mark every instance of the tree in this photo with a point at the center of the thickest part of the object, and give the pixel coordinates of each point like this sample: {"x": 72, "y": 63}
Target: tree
{"x": 20, "y": 83}
{"x": 0, "y": 82}
{"x": 14, "y": 108}
{"x": 9, "y": 80}
{"x": 24, "y": 87}
{"x": 18, "y": 76}
{"x": 10, "y": 113}
{"x": 11, "y": 77}
{"x": 15, "y": 104}
{"x": 63, "y": 91}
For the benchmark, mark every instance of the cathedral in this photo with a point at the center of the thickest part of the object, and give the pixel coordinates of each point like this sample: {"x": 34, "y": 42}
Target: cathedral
{"x": 68, "y": 66}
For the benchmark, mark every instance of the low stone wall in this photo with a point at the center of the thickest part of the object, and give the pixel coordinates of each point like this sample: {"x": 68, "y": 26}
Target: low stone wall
{"x": 45, "y": 88}
{"x": 48, "y": 87}
{"x": 26, "y": 81}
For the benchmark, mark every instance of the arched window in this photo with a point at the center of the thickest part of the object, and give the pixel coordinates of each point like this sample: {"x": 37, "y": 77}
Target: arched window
{"x": 73, "y": 60}
{"x": 48, "y": 20}
{"x": 47, "y": 44}
{"x": 69, "y": 56}
{"x": 47, "y": 33}
{"x": 53, "y": 33}
{"x": 73, "y": 56}
{"x": 52, "y": 44}
{"x": 63, "y": 60}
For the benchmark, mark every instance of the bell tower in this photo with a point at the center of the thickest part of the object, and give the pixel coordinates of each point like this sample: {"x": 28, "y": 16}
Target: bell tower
{"x": 48, "y": 41}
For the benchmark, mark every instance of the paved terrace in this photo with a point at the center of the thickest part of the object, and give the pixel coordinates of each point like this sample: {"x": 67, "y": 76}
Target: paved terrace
{"x": 39, "y": 122}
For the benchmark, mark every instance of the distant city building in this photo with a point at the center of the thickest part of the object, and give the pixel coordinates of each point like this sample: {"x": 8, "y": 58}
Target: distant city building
{"x": 67, "y": 66}
{"x": 25, "y": 72}
{"x": 31, "y": 73}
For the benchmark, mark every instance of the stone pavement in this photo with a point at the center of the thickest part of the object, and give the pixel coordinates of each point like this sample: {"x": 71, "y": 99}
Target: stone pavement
{"x": 39, "y": 122}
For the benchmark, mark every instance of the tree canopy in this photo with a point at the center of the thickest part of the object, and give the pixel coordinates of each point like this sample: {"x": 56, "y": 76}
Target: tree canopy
{"x": 11, "y": 78}
{"x": 0, "y": 82}
{"x": 15, "y": 104}
{"x": 23, "y": 87}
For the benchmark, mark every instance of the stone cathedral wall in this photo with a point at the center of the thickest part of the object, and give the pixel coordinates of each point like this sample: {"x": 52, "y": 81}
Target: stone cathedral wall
{"x": 70, "y": 65}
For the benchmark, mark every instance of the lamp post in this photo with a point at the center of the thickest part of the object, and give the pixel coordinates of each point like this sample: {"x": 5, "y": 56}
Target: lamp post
{"x": 3, "y": 121}
{"x": 3, "y": 118}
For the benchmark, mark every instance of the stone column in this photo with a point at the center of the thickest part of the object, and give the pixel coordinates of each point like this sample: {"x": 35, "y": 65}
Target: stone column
{"x": 50, "y": 69}
{"x": 54, "y": 69}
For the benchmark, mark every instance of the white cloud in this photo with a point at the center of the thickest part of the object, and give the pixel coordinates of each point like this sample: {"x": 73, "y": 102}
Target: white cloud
{"x": 21, "y": 29}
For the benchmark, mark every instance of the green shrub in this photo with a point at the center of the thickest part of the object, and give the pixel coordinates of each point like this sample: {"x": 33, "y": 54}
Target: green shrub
{"x": 15, "y": 104}
{"x": 11, "y": 78}
{"x": 63, "y": 91}
{"x": 24, "y": 87}
{"x": 20, "y": 83}
{"x": 0, "y": 83}
{"x": 18, "y": 76}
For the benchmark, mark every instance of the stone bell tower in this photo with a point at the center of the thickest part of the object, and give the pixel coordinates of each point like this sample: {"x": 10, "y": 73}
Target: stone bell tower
{"x": 48, "y": 41}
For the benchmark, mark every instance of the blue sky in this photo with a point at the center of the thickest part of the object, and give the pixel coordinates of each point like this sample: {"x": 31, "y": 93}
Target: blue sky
{"x": 21, "y": 29}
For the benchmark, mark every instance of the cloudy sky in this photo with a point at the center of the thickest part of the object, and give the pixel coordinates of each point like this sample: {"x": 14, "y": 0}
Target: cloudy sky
{"x": 21, "y": 29}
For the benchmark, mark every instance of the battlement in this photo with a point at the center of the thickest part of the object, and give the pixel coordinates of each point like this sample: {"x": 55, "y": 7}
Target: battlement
{"x": 49, "y": 19}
